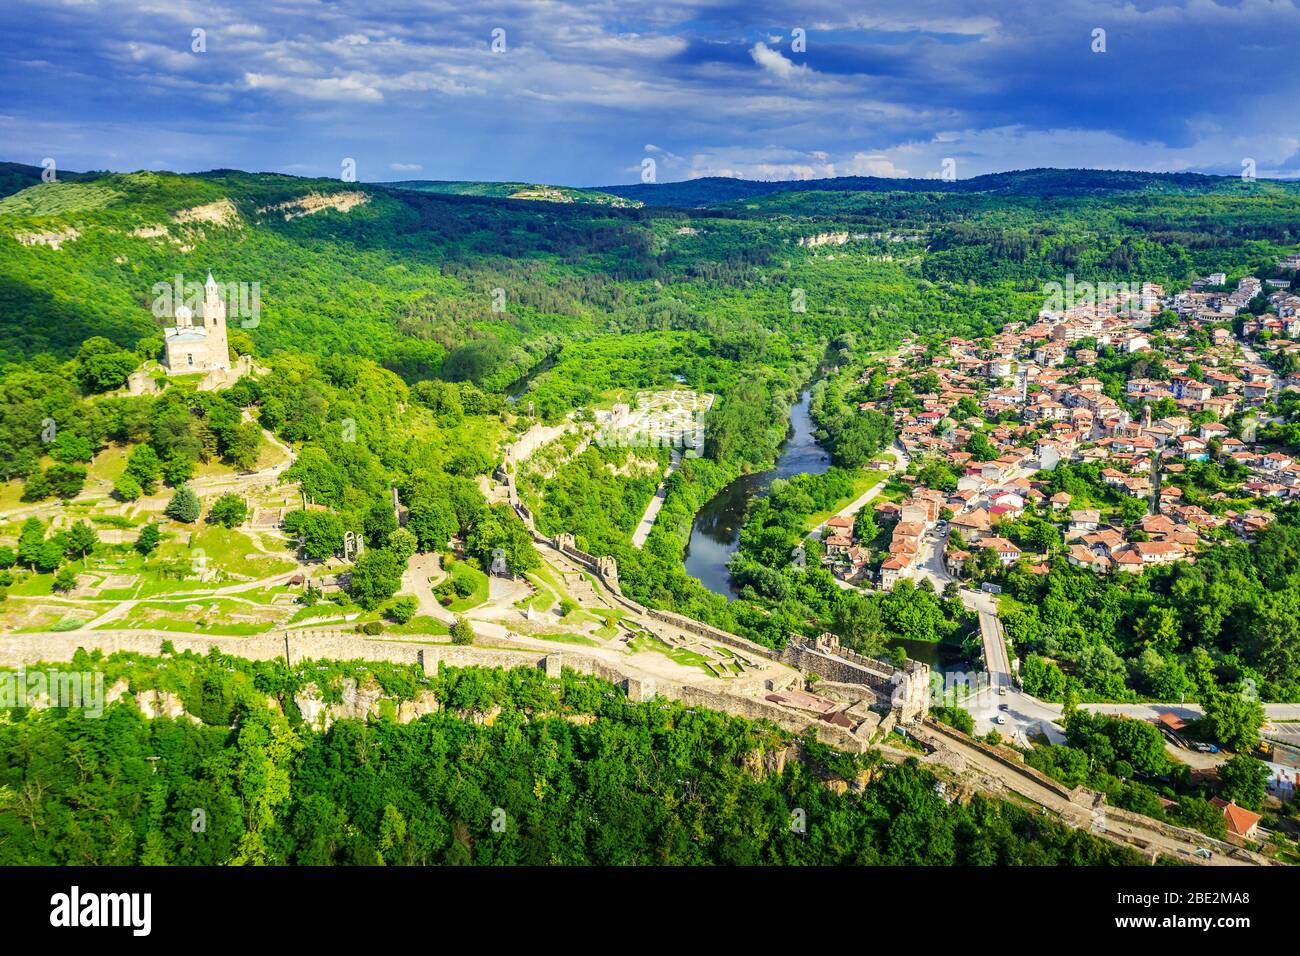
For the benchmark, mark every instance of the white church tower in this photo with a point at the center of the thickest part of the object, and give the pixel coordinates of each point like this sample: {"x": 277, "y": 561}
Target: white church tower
{"x": 214, "y": 320}
{"x": 198, "y": 343}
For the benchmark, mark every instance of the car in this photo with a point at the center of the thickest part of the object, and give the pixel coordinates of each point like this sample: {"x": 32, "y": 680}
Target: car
{"x": 1203, "y": 853}
{"x": 1002, "y": 692}
{"x": 999, "y": 719}
{"x": 1004, "y": 706}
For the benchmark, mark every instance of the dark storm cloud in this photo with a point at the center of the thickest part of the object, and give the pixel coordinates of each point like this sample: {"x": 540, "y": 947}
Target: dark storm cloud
{"x": 583, "y": 91}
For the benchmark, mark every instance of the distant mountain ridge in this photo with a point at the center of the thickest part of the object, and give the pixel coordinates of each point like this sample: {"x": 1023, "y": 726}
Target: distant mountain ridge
{"x": 514, "y": 190}
{"x": 713, "y": 190}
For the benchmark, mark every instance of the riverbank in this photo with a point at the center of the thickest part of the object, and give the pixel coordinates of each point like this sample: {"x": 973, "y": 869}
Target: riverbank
{"x": 715, "y": 532}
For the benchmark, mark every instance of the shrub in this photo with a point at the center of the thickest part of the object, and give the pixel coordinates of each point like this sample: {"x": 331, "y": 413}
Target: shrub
{"x": 402, "y": 609}
{"x": 462, "y": 632}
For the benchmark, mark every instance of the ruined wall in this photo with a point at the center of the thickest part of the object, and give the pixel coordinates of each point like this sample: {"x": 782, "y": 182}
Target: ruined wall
{"x": 712, "y": 633}
{"x": 28, "y": 649}
{"x": 839, "y": 667}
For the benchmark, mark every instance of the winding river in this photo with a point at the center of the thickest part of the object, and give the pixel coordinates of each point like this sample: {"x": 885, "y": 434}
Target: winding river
{"x": 715, "y": 535}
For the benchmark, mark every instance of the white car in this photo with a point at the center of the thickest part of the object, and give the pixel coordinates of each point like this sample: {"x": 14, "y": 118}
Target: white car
{"x": 999, "y": 719}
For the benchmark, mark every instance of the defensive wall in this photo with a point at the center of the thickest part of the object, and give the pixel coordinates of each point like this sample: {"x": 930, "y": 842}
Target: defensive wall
{"x": 27, "y": 649}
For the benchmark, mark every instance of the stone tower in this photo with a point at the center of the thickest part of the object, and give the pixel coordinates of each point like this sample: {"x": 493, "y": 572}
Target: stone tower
{"x": 214, "y": 321}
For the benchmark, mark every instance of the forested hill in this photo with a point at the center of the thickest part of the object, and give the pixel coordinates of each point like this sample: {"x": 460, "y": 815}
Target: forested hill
{"x": 427, "y": 284}
{"x": 715, "y": 190}
{"x": 18, "y": 176}
{"x": 467, "y": 285}
{"x": 533, "y": 191}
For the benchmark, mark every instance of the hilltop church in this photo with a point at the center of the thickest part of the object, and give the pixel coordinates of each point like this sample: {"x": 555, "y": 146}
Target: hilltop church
{"x": 199, "y": 346}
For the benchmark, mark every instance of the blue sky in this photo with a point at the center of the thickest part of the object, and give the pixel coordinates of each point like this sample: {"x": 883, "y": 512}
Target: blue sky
{"x": 584, "y": 91}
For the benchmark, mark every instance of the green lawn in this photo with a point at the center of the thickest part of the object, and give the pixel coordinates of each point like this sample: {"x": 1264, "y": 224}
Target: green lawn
{"x": 566, "y": 639}
{"x": 542, "y": 600}
{"x": 648, "y": 642}
{"x": 420, "y": 624}
{"x": 213, "y": 616}
{"x": 461, "y": 571}
{"x": 862, "y": 482}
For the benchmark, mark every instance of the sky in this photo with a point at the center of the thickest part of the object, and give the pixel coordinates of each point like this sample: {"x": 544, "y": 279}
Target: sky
{"x": 586, "y": 93}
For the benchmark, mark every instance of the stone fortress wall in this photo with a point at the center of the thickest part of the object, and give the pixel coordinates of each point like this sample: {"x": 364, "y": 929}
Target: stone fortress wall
{"x": 28, "y": 649}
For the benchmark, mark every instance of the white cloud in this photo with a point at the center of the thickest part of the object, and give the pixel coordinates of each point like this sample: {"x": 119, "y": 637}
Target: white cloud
{"x": 872, "y": 164}
{"x": 406, "y": 167}
{"x": 774, "y": 63}
{"x": 355, "y": 88}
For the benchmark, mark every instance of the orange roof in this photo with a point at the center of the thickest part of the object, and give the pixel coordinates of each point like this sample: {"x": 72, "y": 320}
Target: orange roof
{"x": 1172, "y": 721}
{"x": 1240, "y": 820}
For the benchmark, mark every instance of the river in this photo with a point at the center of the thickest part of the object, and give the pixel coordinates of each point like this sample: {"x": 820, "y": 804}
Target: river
{"x": 715, "y": 535}
{"x": 520, "y": 385}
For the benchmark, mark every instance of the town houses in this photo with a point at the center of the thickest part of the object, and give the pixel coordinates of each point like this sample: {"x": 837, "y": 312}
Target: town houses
{"x": 1134, "y": 391}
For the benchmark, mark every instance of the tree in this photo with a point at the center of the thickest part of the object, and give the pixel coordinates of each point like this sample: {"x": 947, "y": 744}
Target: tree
{"x": 980, "y": 448}
{"x": 178, "y": 469}
{"x": 433, "y": 522}
{"x": 65, "y": 580}
{"x": 376, "y": 576}
{"x": 66, "y": 480}
{"x": 71, "y": 447}
{"x": 1199, "y": 814}
{"x": 102, "y": 365}
{"x": 81, "y": 540}
{"x": 49, "y": 556}
{"x": 402, "y": 543}
{"x": 228, "y": 511}
{"x": 1160, "y": 628}
{"x": 380, "y": 522}
{"x": 127, "y": 488}
{"x": 402, "y": 609}
{"x": 1042, "y": 678}
{"x": 147, "y": 542}
{"x": 184, "y": 506}
{"x": 320, "y": 533}
{"x": 36, "y": 487}
{"x": 143, "y": 465}
{"x": 462, "y": 632}
{"x": 1234, "y": 719}
{"x": 30, "y": 540}
{"x": 500, "y": 527}
{"x": 244, "y": 446}
{"x": 854, "y": 439}
{"x": 1244, "y": 781}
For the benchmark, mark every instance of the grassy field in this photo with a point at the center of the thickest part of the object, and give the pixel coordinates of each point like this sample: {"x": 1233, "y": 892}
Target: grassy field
{"x": 679, "y": 655}
{"x": 461, "y": 571}
{"x": 567, "y": 639}
{"x": 862, "y": 482}
{"x": 224, "y": 616}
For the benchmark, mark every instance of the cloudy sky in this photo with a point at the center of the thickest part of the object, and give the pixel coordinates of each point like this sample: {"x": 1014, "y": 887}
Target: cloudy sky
{"x": 581, "y": 93}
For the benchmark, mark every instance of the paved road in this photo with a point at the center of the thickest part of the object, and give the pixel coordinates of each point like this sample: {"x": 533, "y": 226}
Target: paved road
{"x": 656, "y": 502}
{"x": 994, "y": 776}
{"x": 852, "y": 508}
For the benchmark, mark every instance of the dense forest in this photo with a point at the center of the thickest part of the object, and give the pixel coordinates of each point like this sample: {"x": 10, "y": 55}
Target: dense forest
{"x": 509, "y": 769}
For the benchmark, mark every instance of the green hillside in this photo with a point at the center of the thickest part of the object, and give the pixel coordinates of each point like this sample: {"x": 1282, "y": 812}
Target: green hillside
{"x": 715, "y": 190}
{"x": 534, "y": 191}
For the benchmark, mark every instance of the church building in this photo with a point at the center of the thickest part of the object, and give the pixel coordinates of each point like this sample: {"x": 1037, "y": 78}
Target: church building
{"x": 198, "y": 342}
